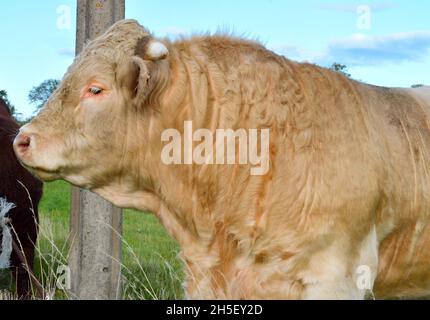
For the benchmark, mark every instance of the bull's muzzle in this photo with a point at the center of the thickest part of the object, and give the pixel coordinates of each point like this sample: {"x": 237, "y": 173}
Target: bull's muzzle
{"x": 22, "y": 144}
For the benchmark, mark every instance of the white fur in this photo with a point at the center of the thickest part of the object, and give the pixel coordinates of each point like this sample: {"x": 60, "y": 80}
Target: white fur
{"x": 157, "y": 51}
{"x": 6, "y": 246}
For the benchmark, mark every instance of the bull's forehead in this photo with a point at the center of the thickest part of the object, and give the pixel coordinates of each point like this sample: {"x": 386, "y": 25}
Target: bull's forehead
{"x": 101, "y": 55}
{"x": 118, "y": 41}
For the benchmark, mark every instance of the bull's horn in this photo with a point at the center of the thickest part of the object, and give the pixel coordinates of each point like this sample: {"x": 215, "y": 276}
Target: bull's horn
{"x": 156, "y": 51}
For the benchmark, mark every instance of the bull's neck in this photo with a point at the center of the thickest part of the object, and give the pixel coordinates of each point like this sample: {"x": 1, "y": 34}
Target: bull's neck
{"x": 187, "y": 105}
{"x": 178, "y": 185}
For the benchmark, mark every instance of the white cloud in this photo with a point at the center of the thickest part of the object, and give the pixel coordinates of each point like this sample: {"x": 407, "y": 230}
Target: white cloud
{"x": 361, "y": 49}
{"x": 365, "y": 50}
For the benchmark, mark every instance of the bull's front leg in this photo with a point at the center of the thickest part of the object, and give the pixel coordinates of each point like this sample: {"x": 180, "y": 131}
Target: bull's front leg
{"x": 343, "y": 271}
{"x": 339, "y": 270}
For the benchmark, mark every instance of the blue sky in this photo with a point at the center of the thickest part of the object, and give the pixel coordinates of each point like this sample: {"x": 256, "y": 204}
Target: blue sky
{"x": 383, "y": 42}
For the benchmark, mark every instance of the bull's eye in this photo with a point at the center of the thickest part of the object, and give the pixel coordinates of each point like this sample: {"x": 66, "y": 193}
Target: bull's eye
{"x": 95, "y": 90}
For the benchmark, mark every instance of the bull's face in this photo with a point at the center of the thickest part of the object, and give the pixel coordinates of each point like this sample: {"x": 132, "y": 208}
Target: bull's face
{"x": 94, "y": 109}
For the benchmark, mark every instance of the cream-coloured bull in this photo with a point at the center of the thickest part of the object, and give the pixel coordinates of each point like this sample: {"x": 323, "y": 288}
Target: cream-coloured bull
{"x": 346, "y": 199}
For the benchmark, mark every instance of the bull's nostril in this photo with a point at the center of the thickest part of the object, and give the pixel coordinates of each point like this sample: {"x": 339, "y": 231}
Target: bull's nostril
{"x": 22, "y": 143}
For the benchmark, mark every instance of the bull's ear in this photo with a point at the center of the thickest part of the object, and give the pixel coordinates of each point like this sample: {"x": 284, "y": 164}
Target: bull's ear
{"x": 141, "y": 85}
{"x": 146, "y": 67}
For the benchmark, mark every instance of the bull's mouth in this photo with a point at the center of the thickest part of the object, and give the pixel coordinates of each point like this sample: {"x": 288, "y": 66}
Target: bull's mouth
{"x": 43, "y": 174}
{"x": 54, "y": 175}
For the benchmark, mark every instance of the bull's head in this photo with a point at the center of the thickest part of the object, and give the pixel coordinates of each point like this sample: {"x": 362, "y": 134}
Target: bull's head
{"x": 95, "y": 107}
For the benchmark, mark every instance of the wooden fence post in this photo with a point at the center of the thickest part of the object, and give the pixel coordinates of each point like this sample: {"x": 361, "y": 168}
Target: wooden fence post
{"x": 96, "y": 225}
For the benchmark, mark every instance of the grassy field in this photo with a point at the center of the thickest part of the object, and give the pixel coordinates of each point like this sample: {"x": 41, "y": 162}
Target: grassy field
{"x": 151, "y": 268}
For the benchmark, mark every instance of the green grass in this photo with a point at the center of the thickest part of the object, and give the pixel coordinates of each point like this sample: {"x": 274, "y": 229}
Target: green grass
{"x": 151, "y": 267}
